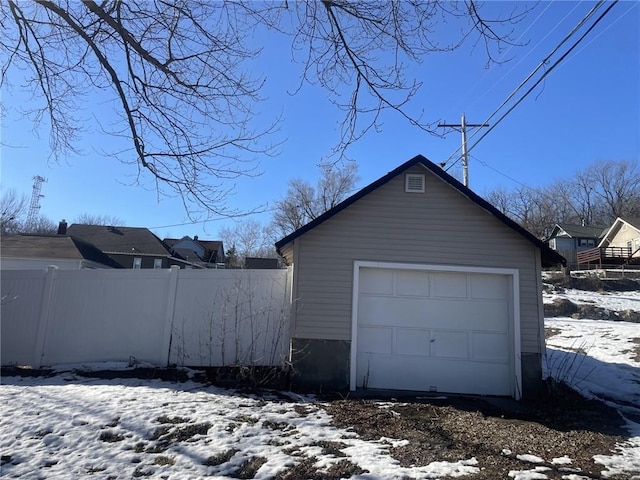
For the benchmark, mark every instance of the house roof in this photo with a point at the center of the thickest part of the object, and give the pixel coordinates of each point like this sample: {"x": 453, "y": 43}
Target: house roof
{"x": 128, "y": 240}
{"x": 53, "y": 246}
{"x": 207, "y": 245}
{"x": 615, "y": 227}
{"x": 580, "y": 231}
{"x": 549, "y": 256}
{"x": 633, "y": 221}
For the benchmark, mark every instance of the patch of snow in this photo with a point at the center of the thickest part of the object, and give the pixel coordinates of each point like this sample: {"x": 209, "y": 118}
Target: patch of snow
{"x": 535, "y": 474}
{"x": 506, "y": 451}
{"x": 615, "y": 301}
{"x": 530, "y": 458}
{"x": 564, "y": 460}
{"x": 628, "y": 458}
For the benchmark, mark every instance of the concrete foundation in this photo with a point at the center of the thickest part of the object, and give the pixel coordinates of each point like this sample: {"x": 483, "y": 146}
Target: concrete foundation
{"x": 532, "y": 386}
{"x": 320, "y": 365}
{"x": 323, "y": 366}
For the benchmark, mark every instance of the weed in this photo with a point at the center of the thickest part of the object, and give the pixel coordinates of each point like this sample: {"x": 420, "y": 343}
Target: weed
{"x": 171, "y": 420}
{"x": 164, "y": 460}
{"x": 111, "y": 437}
{"x": 220, "y": 458}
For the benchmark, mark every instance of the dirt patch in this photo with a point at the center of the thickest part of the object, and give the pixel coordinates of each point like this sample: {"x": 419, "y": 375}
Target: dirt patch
{"x": 306, "y": 469}
{"x": 220, "y": 458}
{"x": 249, "y": 468}
{"x": 636, "y": 349}
{"x": 563, "y": 424}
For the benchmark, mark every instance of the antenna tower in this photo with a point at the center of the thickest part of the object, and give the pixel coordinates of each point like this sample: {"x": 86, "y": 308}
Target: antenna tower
{"x": 34, "y": 208}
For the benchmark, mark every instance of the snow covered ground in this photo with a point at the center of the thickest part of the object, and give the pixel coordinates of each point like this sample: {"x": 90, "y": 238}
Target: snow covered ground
{"x": 68, "y": 427}
{"x": 601, "y": 359}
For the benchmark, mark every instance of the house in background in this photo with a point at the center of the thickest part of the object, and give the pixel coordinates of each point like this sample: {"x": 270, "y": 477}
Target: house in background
{"x": 25, "y": 252}
{"x": 417, "y": 283}
{"x": 130, "y": 247}
{"x": 207, "y": 253}
{"x": 568, "y": 240}
{"x": 619, "y": 246}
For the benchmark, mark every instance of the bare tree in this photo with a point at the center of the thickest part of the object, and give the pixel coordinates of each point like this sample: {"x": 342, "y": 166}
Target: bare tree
{"x": 179, "y": 73}
{"x": 246, "y": 238}
{"x": 617, "y": 185}
{"x": 13, "y": 210}
{"x": 534, "y": 209}
{"x": 594, "y": 196}
{"x": 90, "y": 219}
{"x": 39, "y": 225}
{"x": 303, "y": 202}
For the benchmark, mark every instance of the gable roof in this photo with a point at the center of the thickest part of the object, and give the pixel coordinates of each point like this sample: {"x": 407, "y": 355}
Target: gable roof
{"x": 633, "y": 222}
{"x": 549, "y": 256}
{"x": 207, "y": 246}
{"x": 579, "y": 230}
{"x": 53, "y": 246}
{"x": 124, "y": 240}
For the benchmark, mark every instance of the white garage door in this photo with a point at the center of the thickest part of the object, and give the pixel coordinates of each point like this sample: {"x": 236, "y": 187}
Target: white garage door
{"x": 434, "y": 331}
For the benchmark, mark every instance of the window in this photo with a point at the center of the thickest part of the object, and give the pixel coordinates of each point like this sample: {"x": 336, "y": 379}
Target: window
{"x": 587, "y": 242}
{"x": 157, "y": 263}
{"x": 414, "y": 183}
{"x": 137, "y": 262}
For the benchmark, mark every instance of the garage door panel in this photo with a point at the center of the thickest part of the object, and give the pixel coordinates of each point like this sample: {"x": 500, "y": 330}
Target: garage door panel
{"x": 449, "y": 285}
{"x": 491, "y": 346}
{"x": 401, "y": 372}
{"x": 450, "y": 344}
{"x": 457, "y": 315}
{"x": 410, "y": 341}
{"x": 376, "y": 281}
{"x": 404, "y": 312}
{"x": 493, "y": 287}
{"x": 412, "y": 283}
{"x": 376, "y": 340}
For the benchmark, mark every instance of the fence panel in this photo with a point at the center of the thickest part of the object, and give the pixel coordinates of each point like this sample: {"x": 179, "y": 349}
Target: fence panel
{"x": 184, "y": 317}
{"x": 105, "y": 315}
{"x": 21, "y": 301}
{"x": 231, "y": 317}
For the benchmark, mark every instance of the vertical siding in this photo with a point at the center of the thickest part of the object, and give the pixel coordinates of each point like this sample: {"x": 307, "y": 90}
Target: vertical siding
{"x": 440, "y": 226}
{"x": 104, "y": 315}
{"x": 231, "y": 317}
{"x": 21, "y": 293}
{"x": 621, "y": 238}
{"x": 189, "y": 317}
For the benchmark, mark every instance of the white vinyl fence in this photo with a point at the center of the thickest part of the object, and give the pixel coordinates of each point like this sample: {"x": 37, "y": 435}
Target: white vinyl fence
{"x": 162, "y": 317}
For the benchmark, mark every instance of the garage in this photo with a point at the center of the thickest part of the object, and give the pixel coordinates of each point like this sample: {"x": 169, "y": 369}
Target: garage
{"x": 435, "y": 328}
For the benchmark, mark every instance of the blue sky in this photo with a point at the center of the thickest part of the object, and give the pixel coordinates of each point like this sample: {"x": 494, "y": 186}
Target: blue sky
{"x": 587, "y": 109}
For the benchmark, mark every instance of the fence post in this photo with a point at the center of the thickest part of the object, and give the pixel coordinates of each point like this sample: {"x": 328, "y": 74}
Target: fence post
{"x": 43, "y": 321}
{"x": 172, "y": 290}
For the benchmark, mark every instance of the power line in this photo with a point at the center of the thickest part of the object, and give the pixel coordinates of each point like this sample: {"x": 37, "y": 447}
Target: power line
{"x": 513, "y": 67}
{"x": 542, "y": 64}
{"x": 547, "y": 72}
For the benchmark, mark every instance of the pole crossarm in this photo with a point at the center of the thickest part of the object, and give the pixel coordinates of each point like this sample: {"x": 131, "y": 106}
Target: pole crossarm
{"x": 465, "y": 156}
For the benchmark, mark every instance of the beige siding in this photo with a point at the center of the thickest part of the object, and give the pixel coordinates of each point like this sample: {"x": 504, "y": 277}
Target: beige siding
{"x": 440, "y": 226}
{"x": 626, "y": 233}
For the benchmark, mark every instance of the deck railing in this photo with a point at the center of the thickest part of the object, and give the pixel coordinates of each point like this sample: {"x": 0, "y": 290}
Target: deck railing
{"x": 601, "y": 255}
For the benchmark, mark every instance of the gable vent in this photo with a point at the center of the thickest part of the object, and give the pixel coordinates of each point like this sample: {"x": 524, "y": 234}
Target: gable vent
{"x": 414, "y": 183}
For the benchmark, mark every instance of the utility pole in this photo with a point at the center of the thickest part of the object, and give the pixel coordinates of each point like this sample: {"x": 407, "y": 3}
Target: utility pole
{"x": 34, "y": 207}
{"x": 465, "y": 157}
